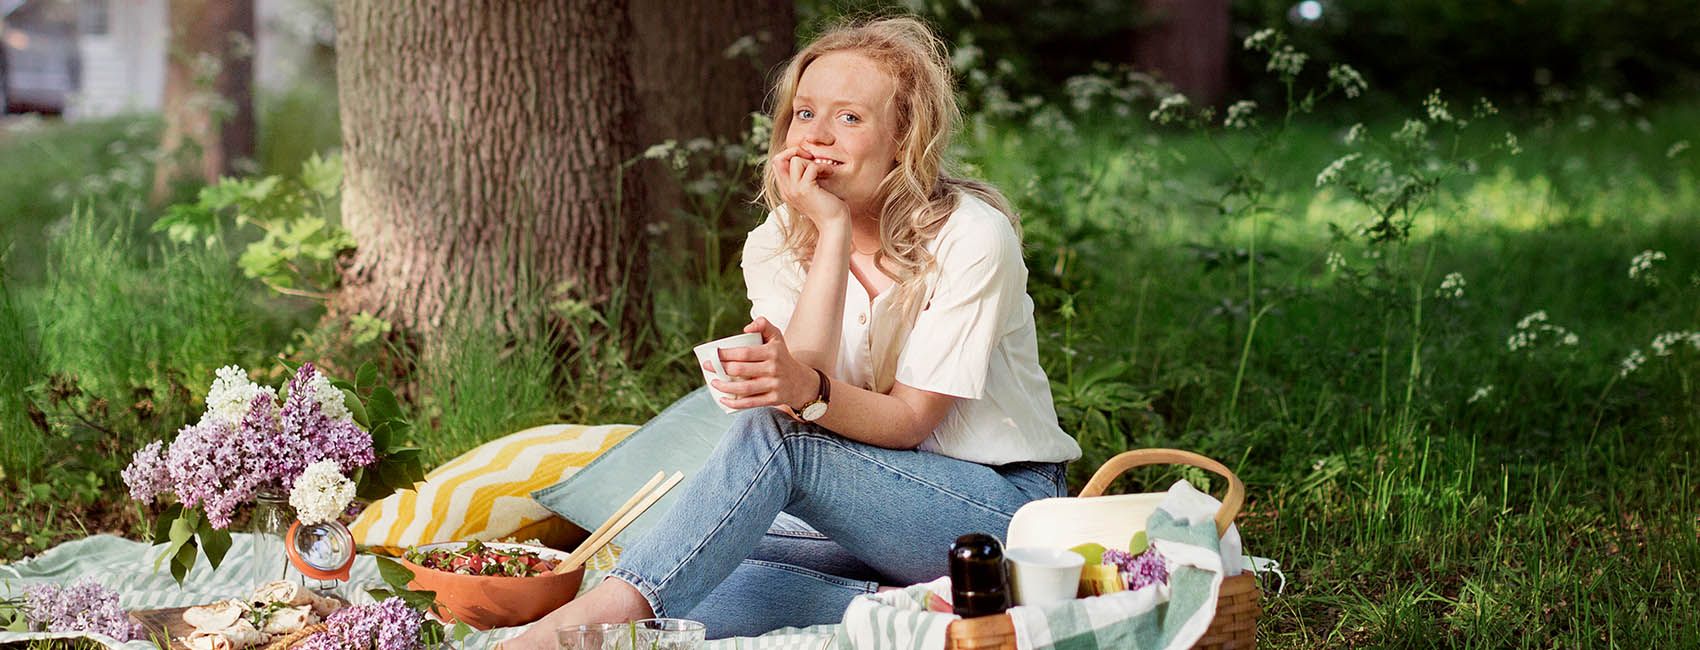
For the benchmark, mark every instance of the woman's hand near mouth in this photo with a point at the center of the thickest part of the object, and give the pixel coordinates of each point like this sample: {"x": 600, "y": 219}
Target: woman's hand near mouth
{"x": 799, "y": 187}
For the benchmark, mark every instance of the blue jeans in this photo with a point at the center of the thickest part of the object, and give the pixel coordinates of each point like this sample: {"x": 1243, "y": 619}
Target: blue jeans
{"x": 724, "y": 555}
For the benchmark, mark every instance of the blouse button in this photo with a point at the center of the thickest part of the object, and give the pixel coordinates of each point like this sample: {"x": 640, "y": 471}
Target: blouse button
{"x": 862, "y": 319}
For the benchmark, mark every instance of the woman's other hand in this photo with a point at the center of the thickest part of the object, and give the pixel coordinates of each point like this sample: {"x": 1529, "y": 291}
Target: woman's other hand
{"x": 770, "y": 376}
{"x": 799, "y": 187}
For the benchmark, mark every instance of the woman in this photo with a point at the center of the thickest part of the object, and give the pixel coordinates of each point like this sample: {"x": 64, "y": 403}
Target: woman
{"x": 896, "y": 401}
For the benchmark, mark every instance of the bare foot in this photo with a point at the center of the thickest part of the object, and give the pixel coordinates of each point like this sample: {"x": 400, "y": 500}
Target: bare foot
{"x": 613, "y": 601}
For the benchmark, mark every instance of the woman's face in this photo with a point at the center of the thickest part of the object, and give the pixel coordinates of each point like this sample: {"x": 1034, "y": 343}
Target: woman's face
{"x": 843, "y": 117}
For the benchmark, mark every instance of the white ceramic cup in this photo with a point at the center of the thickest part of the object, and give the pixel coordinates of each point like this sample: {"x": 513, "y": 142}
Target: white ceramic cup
{"x": 1041, "y": 575}
{"x": 709, "y": 353}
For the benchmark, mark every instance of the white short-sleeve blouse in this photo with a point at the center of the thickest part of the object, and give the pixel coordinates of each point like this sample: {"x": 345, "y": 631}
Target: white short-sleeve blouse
{"x": 975, "y": 338}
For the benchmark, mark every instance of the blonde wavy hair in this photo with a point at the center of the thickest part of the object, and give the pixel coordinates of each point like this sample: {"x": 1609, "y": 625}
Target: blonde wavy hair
{"x": 919, "y": 194}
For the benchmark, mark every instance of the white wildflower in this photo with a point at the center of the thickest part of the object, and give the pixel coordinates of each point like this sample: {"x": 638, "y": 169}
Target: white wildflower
{"x": 1169, "y": 109}
{"x": 1239, "y": 115}
{"x": 1287, "y": 61}
{"x": 230, "y": 396}
{"x": 1332, "y": 172}
{"x": 1348, "y": 79}
{"x": 1356, "y": 133}
{"x": 1511, "y": 145}
{"x": 1320, "y": 462}
{"x": 1663, "y": 343}
{"x": 321, "y": 493}
{"x": 1258, "y": 39}
{"x": 330, "y": 398}
{"x": 1534, "y": 327}
{"x": 660, "y": 151}
{"x": 1451, "y": 286}
{"x": 1676, "y": 149}
{"x": 1412, "y": 132}
{"x": 1630, "y": 363}
{"x": 1485, "y": 108}
{"x": 1642, "y": 265}
{"x": 1436, "y": 108}
{"x": 1335, "y": 261}
{"x": 1481, "y": 393}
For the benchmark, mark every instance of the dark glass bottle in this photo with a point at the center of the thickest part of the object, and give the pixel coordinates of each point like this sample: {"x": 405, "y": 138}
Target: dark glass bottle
{"x": 979, "y": 581}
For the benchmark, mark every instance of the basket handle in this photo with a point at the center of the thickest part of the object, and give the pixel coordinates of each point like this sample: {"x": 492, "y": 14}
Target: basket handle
{"x": 1141, "y": 457}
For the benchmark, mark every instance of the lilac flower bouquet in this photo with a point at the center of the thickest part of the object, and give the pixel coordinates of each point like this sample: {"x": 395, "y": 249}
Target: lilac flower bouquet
{"x": 84, "y": 606}
{"x": 249, "y": 442}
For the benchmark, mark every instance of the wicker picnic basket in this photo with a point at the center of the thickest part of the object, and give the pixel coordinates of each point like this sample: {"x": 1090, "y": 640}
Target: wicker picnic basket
{"x": 1237, "y": 608}
{"x": 296, "y": 638}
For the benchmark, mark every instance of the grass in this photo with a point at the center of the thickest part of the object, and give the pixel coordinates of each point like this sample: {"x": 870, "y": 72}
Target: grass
{"x": 1421, "y": 483}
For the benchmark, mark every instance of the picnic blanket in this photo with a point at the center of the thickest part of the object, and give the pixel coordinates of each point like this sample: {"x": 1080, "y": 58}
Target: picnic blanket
{"x": 1168, "y": 617}
{"x": 127, "y": 567}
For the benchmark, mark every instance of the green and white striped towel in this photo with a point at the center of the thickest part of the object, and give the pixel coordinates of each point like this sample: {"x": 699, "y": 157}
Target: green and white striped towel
{"x": 127, "y": 567}
{"x": 1166, "y": 617}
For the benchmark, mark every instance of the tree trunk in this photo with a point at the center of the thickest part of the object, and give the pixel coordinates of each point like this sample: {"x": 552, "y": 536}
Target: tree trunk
{"x": 482, "y": 143}
{"x": 209, "y": 96}
{"x": 692, "y": 82}
{"x": 1186, "y": 43}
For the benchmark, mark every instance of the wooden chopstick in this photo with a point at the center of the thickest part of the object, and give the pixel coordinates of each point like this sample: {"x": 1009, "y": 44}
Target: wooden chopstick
{"x": 596, "y": 542}
{"x": 612, "y": 519}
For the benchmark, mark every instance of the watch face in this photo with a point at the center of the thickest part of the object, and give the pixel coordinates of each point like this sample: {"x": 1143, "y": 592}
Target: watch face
{"x": 814, "y": 411}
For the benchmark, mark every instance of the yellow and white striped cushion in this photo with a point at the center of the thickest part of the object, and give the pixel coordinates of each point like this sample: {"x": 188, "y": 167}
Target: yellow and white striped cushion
{"x": 486, "y": 493}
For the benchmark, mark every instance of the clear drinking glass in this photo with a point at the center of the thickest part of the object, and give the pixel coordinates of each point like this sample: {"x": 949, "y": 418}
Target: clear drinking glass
{"x": 671, "y": 634}
{"x": 598, "y": 636}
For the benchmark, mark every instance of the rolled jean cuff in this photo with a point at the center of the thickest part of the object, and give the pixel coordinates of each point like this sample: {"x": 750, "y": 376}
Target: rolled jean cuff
{"x": 648, "y": 591}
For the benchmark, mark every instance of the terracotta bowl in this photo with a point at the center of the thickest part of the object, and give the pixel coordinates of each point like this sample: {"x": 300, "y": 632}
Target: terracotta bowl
{"x": 485, "y": 602}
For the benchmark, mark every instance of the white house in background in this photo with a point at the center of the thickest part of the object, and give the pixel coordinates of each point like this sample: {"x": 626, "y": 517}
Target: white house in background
{"x": 95, "y": 58}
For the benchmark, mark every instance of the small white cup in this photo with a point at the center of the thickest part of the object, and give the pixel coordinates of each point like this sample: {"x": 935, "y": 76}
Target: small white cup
{"x": 1042, "y": 575}
{"x": 709, "y": 353}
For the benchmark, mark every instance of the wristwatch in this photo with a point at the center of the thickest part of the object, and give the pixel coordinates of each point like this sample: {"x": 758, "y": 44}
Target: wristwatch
{"x": 816, "y": 409}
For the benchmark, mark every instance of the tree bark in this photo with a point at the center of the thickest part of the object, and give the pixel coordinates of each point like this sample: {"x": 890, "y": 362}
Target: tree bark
{"x": 482, "y": 147}
{"x": 209, "y": 97}
{"x": 689, "y": 85}
{"x": 1186, "y": 43}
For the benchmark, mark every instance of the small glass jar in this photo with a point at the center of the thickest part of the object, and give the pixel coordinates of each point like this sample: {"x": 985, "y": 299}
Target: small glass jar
{"x": 272, "y": 517}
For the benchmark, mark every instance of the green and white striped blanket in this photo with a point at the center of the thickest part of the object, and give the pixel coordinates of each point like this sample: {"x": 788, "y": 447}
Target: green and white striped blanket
{"x": 1167, "y": 617}
{"x": 127, "y": 567}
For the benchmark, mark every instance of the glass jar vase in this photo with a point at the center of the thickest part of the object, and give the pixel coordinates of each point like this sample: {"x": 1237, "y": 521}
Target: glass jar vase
{"x": 267, "y": 560}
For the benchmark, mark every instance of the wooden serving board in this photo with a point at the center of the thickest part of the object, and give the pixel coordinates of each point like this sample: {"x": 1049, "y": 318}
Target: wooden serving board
{"x": 165, "y": 627}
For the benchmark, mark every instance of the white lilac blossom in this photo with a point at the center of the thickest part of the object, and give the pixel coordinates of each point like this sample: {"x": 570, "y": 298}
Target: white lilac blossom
{"x": 321, "y": 493}
{"x": 84, "y": 606}
{"x": 1451, "y": 286}
{"x": 330, "y": 398}
{"x": 230, "y": 395}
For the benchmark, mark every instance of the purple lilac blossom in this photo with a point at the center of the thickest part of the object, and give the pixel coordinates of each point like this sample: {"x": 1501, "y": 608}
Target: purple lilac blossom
{"x": 303, "y": 418}
{"x": 1139, "y": 571}
{"x": 147, "y": 474}
{"x": 218, "y": 465}
{"x": 389, "y": 625}
{"x": 84, "y": 606}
